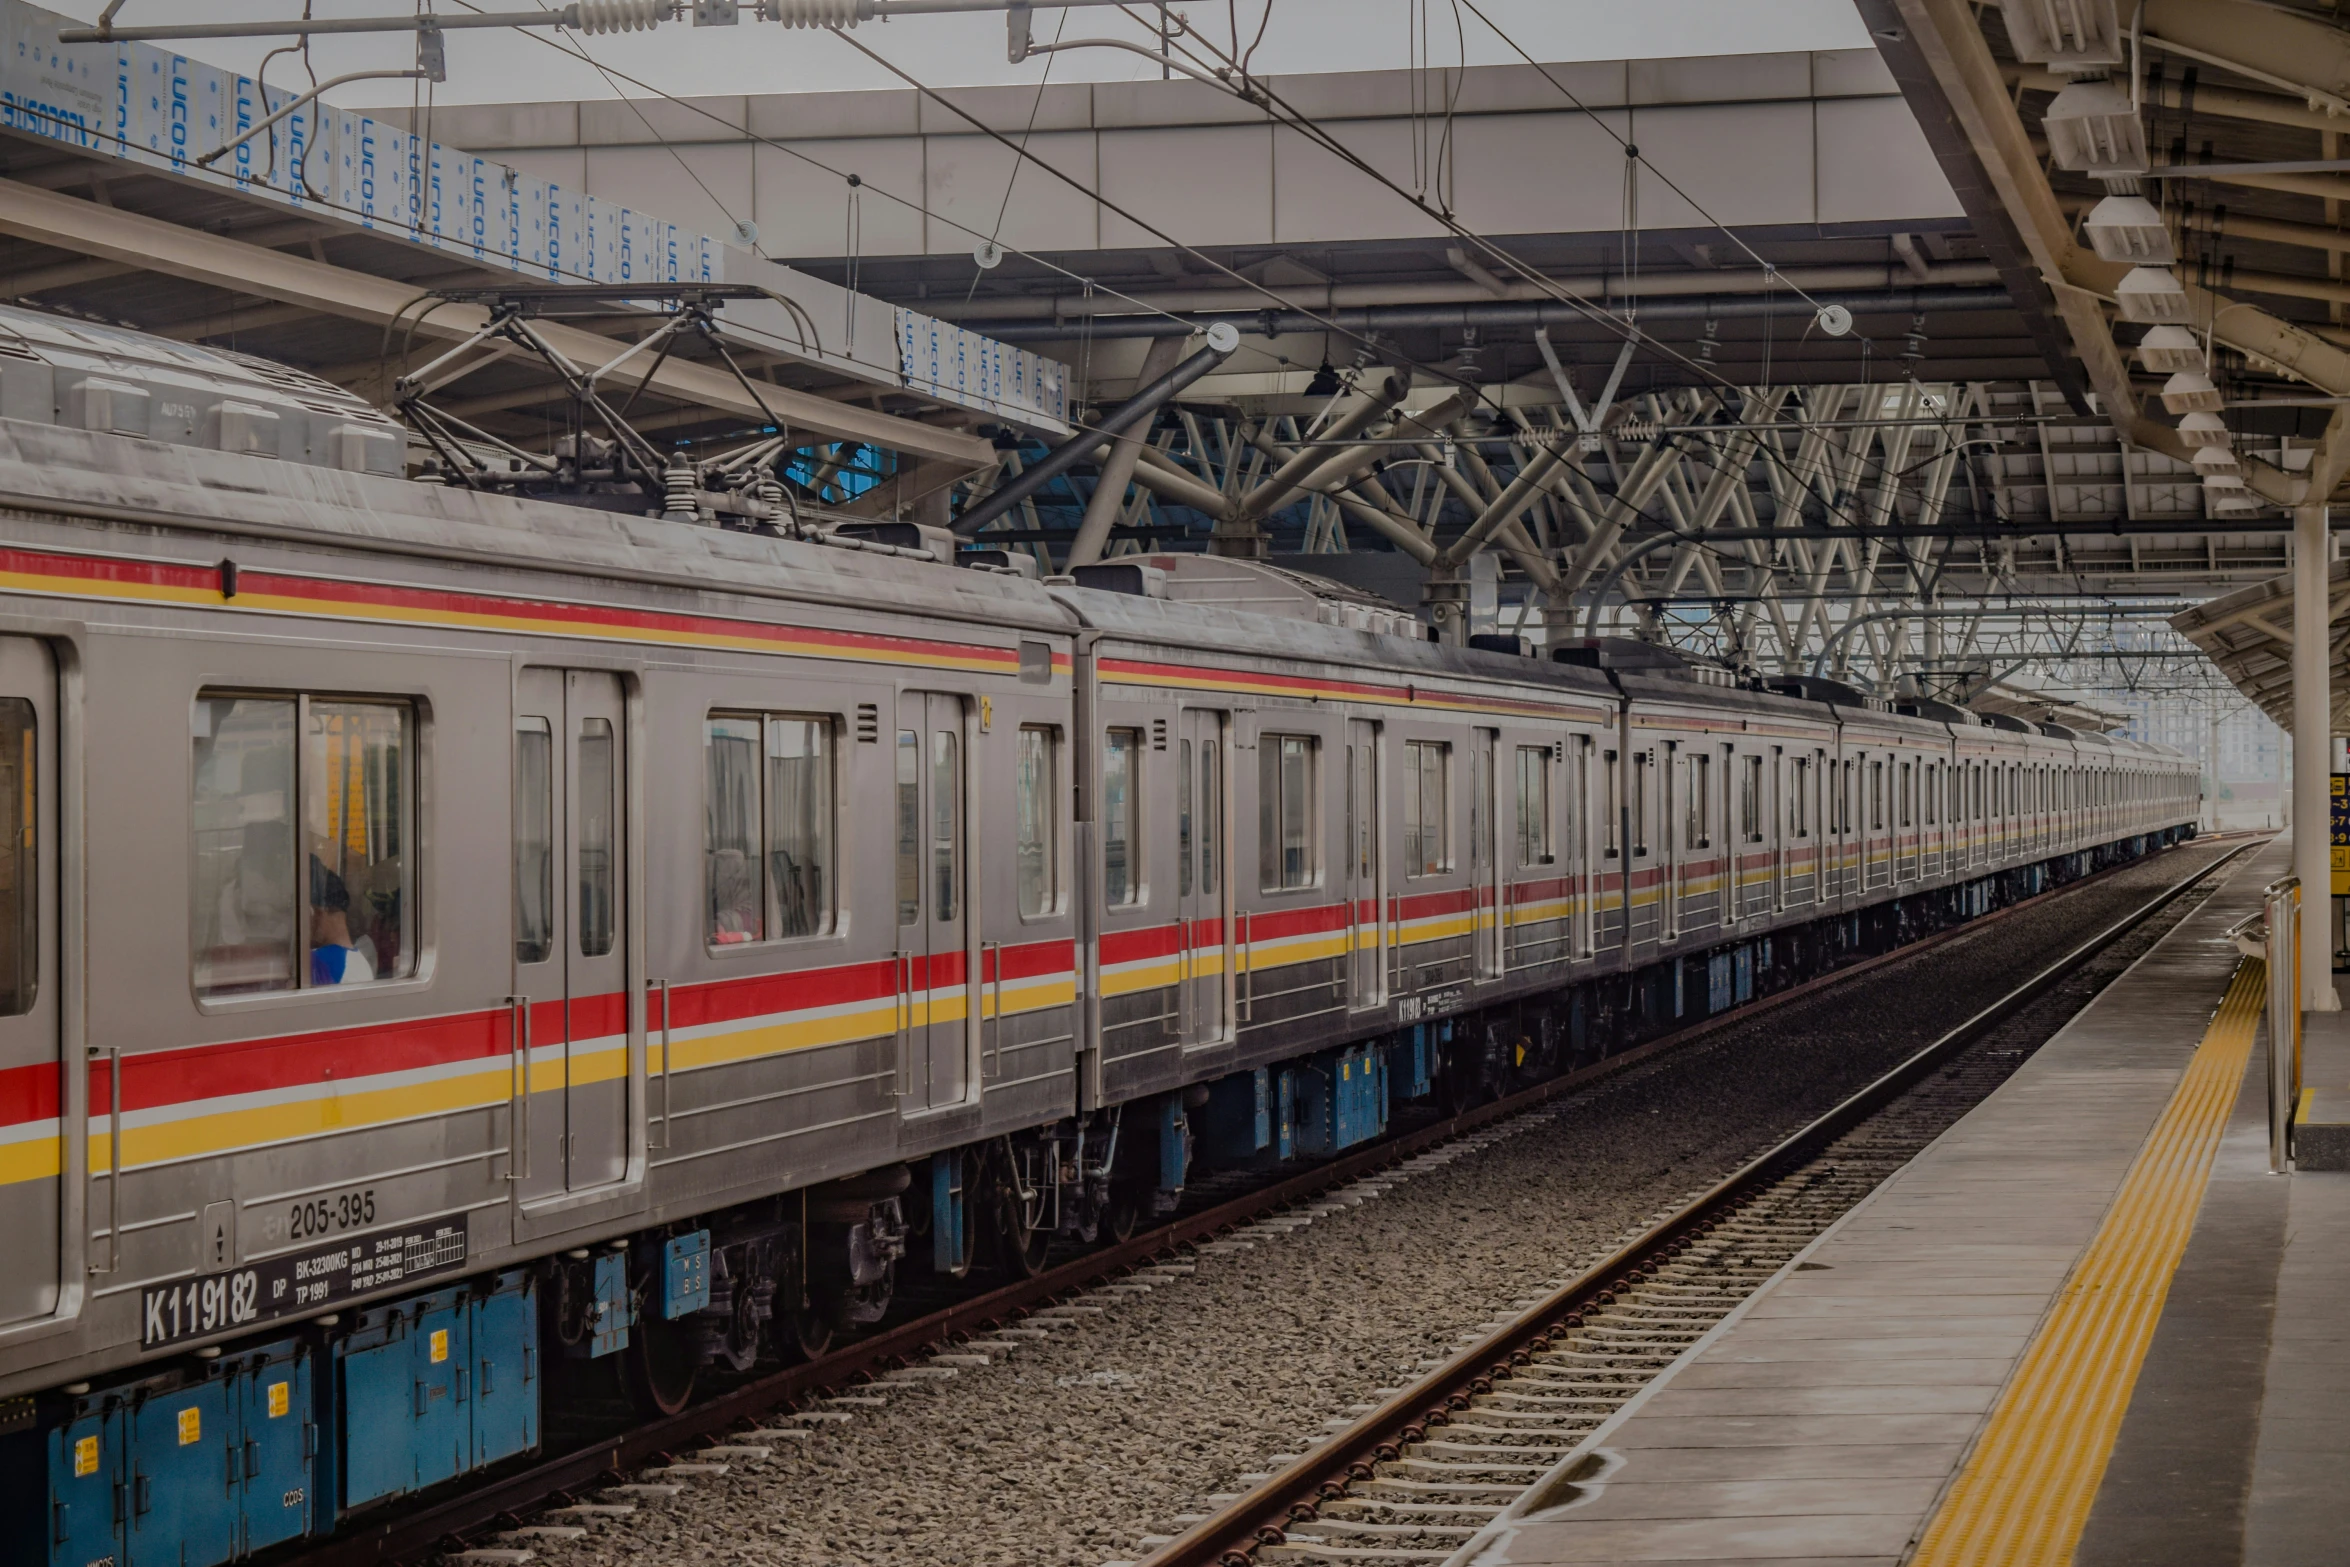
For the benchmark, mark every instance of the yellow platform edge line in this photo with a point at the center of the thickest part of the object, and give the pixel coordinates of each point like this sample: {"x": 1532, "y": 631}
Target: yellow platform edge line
{"x": 2025, "y": 1492}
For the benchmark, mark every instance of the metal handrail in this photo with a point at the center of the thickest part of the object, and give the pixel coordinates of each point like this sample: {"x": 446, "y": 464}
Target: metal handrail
{"x": 662, "y": 985}
{"x": 992, "y": 1025}
{"x": 518, "y": 1103}
{"x": 113, "y": 1057}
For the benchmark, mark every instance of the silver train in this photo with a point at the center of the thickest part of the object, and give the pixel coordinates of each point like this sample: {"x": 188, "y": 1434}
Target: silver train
{"x": 452, "y": 947}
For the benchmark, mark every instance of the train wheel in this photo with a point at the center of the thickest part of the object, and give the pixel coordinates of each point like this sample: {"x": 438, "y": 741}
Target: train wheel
{"x": 1122, "y": 1215}
{"x": 661, "y": 1360}
{"x": 804, "y": 1331}
{"x": 1021, "y": 1243}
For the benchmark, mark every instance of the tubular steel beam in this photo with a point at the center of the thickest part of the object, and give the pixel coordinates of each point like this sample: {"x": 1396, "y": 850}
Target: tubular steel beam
{"x": 1135, "y": 410}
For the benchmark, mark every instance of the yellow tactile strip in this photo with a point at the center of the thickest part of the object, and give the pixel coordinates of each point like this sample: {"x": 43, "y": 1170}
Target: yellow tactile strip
{"x": 2025, "y": 1493}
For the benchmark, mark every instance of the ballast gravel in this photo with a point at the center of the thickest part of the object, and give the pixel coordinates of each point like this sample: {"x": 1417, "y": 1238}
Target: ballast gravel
{"x": 1094, "y": 1432}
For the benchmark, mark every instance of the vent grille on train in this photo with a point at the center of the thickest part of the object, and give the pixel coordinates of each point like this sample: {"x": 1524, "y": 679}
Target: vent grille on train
{"x": 1158, "y": 734}
{"x": 868, "y": 723}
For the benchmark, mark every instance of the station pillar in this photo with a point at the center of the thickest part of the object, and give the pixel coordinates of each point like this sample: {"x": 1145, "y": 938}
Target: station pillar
{"x": 2313, "y": 752}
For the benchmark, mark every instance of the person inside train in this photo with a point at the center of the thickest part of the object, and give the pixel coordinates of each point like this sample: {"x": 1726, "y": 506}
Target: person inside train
{"x": 334, "y": 958}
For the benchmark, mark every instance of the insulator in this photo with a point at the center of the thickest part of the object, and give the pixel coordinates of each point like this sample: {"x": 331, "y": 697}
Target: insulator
{"x": 817, "y": 13}
{"x": 679, "y": 502}
{"x": 621, "y": 16}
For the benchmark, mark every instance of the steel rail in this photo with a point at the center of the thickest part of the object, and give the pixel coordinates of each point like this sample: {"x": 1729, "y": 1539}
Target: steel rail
{"x": 1231, "y": 1537}
{"x": 504, "y": 1498}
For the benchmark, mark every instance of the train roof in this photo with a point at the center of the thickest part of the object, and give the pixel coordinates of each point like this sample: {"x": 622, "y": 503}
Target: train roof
{"x": 194, "y": 490}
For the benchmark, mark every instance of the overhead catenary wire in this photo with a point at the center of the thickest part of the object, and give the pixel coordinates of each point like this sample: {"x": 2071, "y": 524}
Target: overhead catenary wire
{"x": 1768, "y": 448}
{"x": 1304, "y": 125}
{"x": 1329, "y": 323}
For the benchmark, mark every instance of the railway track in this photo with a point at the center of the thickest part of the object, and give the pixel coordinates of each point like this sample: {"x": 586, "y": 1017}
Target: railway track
{"x": 565, "y": 1481}
{"x": 1418, "y": 1477}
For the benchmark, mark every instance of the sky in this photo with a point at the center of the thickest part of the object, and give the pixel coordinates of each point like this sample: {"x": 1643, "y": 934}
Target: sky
{"x": 1300, "y": 36}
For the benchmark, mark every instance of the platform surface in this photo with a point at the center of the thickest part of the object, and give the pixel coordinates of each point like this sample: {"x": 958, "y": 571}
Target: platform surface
{"x": 1857, "y": 1398}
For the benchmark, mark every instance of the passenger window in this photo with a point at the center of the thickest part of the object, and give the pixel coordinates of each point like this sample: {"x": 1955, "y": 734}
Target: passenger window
{"x": 598, "y": 876}
{"x": 534, "y": 841}
{"x": 356, "y": 773}
{"x": 1693, "y": 834}
{"x": 1796, "y": 821}
{"x": 1427, "y": 808}
{"x": 340, "y": 912}
{"x": 1615, "y": 805}
{"x": 1535, "y": 766}
{"x": 946, "y": 796}
{"x": 1121, "y": 870}
{"x": 1642, "y": 766}
{"x": 769, "y": 826}
{"x": 801, "y": 826}
{"x": 1286, "y": 795}
{"x": 1183, "y": 818}
{"x": 1750, "y": 800}
{"x": 909, "y": 781}
{"x": 1037, "y": 849}
{"x": 20, "y": 935}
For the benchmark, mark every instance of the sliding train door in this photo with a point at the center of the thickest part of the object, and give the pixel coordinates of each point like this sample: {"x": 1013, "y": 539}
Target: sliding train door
{"x": 570, "y": 930}
{"x": 1202, "y": 885}
{"x": 31, "y": 1200}
{"x": 1366, "y": 908}
{"x": 932, "y": 961}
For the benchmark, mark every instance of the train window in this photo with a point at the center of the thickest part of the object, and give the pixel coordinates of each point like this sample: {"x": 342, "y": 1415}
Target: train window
{"x": 909, "y": 857}
{"x": 343, "y": 796}
{"x": 1121, "y": 874}
{"x": 1427, "y": 808}
{"x": 354, "y": 777}
{"x": 598, "y": 873}
{"x": 244, "y": 826}
{"x": 1750, "y": 792}
{"x": 1286, "y": 792}
{"x": 1797, "y": 821}
{"x": 946, "y": 804}
{"x": 768, "y": 827}
{"x": 1615, "y": 805}
{"x": 1037, "y": 848}
{"x": 1876, "y": 796}
{"x": 20, "y": 936}
{"x": 1535, "y": 786}
{"x": 1908, "y": 801}
{"x": 534, "y": 840}
{"x": 1183, "y": 826}
{"x": 1643, "y": 764}
{"x": 1693, "y": 833}
{"x": 800, "y": 825}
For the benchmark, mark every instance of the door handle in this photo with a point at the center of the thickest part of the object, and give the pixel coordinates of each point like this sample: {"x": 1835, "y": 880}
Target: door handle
{"x": 518, "y": 1112}
{"x": 113, "y": 1057}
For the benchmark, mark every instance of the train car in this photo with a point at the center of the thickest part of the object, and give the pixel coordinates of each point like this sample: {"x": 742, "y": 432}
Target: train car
{"x": 457, "y": 950}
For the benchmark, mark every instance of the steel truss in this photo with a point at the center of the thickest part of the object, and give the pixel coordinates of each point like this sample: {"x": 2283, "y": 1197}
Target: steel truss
{"x": 1861, "y": 529}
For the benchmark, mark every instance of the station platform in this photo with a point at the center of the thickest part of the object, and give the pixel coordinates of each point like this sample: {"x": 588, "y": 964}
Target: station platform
{"x": 2085, "y": 1326}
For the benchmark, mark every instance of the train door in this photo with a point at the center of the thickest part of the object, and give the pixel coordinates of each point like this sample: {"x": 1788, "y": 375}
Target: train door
{"x": 570, "y": 951}
{"x": 1584, "y": 839}
{"x": 1669, "y": 832}
{"x": 1203, "y": 925}
{"x": 1484, "y": 863}
{"x": 1366, "y": 908}
{"x": 932, "y": 961}
{"x": 1774, "y": 828}
{"x": 30, "y": 1210}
